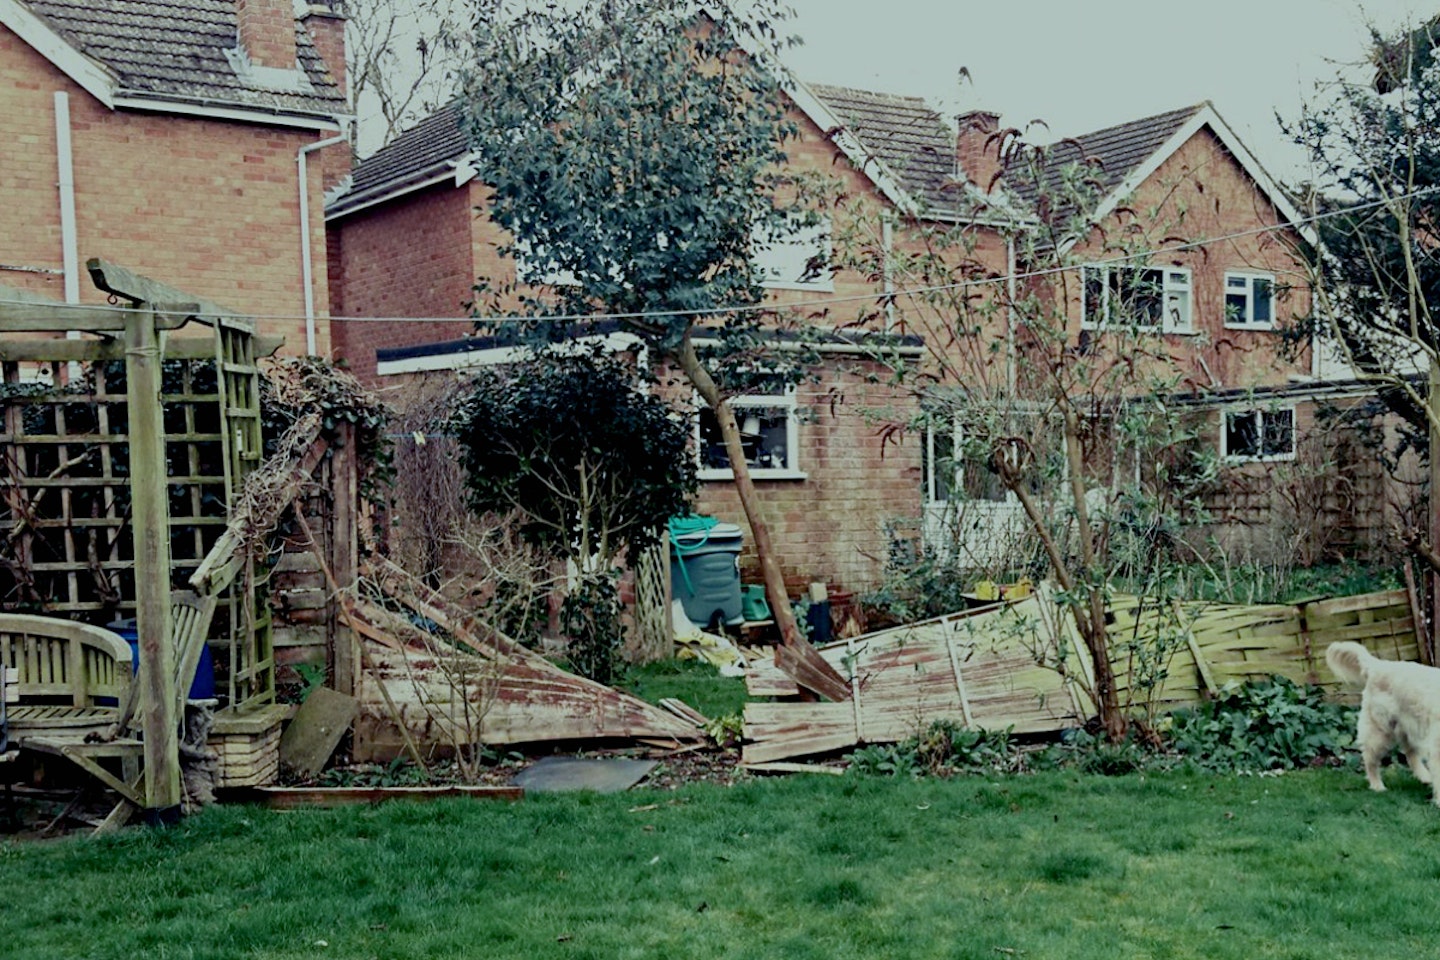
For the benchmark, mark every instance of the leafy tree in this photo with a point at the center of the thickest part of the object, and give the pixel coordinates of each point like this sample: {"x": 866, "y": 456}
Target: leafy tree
{"x": 1074, "y": 425}
{"x": 1375, "y": 156}
{"x": 1375, "y": 153}
{"x": 636, "y": 153}
{"x": 591, "y": 466}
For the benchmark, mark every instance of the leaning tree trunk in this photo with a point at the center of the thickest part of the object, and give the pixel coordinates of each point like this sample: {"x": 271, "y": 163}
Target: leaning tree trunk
{"x": 775, "y": 591}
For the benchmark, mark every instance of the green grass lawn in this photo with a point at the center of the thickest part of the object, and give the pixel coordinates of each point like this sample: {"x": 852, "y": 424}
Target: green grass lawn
{"x": 697, "y": 683}
{"x": 1058, "y": 865}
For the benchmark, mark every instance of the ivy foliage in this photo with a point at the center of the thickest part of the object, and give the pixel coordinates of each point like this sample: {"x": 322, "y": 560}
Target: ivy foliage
{"x": 591, "y": 465}
{"x": 294, "y": 386}
{"x": 1274, "y": 724}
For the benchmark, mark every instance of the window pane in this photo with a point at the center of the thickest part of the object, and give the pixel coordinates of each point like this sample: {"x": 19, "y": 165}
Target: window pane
{"x": 1279, "y": 433}
{"x": 798, "y": 256}
{"x": 1236, "y": 283}
{"x": 1146, "y": 297}
{"x": 1235, "y": 304}
{"x": 1263, "y": 299}
{"x": 1177, "y": 309}
{"x": 712, "y": 447}
{"x": 764, "y": 433}
{"x": 1094, "y": 295}
{"x": 1242, "y": 434}
{"x": 981, "y": 482}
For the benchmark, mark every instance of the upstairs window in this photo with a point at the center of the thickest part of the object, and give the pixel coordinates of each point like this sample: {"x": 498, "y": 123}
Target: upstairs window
{"x": 1147, "y": 298}
{"x": 1250, "y": 301}
{"x": 795, "y": 260}
{"x": 1252, "y": 435}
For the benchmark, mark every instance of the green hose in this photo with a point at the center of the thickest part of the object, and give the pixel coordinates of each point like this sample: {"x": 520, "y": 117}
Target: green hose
{"x": 686, "y": 526}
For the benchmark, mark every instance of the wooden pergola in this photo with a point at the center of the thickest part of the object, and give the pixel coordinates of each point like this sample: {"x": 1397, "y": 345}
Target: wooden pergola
{"x": 128, "y": 430}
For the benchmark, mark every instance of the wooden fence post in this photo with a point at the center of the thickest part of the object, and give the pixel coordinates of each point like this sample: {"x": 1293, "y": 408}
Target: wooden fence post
{"x": 344, "y": 554}
{"x": 149, "y": 517}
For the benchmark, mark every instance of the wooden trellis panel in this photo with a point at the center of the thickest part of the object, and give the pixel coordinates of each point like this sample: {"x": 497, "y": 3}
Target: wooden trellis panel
{"x": 66, "y": 544}
{"x": 655, "y": 634}
{"x": 251, "y": 679}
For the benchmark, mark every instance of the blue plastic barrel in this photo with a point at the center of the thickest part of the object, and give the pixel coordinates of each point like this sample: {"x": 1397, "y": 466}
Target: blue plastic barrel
{"x": 203, "y": 686}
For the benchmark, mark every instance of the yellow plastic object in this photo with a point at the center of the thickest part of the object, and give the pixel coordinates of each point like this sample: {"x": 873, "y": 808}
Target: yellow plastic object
{"x": 1019, "y": 590}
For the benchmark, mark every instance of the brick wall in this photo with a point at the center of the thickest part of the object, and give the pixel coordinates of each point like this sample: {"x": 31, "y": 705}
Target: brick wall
{"x": 267, "y": 31}
{"x": 833, "y": 525}
{"x": 415, "y": 257}
{"x": 210, "y": 207}
{"x": 1202, "y": 192}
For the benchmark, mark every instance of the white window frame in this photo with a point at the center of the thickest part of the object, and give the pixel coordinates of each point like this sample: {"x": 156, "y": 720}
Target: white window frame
{"x": 757, "y": 401}
{"x": 782, "y": 260}
{"x": 957, "y": 478}
{"x": 956, "y": 429}
{"x": 1262, "y": 413}
{"x": 1247, "y": 321}
{"x": 1176, "y": 286}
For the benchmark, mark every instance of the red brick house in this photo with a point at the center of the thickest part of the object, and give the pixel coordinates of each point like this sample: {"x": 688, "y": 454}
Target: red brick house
{"x": 177, "y": 139}
{"x": 1175, "y": 206}
{"x": 407, "y": 241}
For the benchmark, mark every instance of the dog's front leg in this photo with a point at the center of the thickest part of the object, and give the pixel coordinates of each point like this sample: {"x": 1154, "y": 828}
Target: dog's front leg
{"x": 1374, "y": 743}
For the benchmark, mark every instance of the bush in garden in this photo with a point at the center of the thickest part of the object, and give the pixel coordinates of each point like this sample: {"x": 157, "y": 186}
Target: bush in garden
{"x": 591, "y": 467}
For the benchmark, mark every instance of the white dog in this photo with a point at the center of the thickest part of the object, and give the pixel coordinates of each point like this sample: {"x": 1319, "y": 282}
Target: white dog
{"x": 1400, "y": 705}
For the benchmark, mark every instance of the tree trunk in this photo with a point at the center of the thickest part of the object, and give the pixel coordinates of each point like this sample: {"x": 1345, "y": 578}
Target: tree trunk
{"x": 824, "y": 678}
{"x": 775, "y": 591}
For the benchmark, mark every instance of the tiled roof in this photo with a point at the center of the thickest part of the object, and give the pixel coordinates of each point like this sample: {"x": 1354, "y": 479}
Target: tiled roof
{"x": 175, "y": 49}
{"x": 1111, "y": 155}
{"x": 907, "y": 135}
{"x": 435, "y": 140}
{"x": 904, "y": 133}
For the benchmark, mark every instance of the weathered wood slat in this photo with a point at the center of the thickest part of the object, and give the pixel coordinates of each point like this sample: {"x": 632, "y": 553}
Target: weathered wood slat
{"x": 906, "y": 678}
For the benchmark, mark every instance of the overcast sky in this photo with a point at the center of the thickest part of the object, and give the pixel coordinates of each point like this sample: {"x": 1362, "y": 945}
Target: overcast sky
{"x": 1080, "y": 65}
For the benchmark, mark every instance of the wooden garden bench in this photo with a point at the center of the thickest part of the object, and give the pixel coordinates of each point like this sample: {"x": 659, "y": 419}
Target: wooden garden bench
{"x": 63, "y": 677}
{"x": 75, "y": 693}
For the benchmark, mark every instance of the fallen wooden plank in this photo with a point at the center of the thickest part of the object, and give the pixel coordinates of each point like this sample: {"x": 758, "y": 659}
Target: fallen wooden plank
{"x": 804, "y": 664}
{"x": 296, "y": 798}
{"x": 685, "y": 712}
{"x": 782, "y": 767}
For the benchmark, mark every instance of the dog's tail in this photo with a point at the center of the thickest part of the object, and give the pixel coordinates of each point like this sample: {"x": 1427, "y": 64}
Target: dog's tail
{"x": 1350, "y": 662}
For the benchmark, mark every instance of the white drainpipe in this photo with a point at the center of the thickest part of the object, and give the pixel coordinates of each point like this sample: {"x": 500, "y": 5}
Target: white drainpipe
{"x": 307, "y": 271}
{"x": 1010, "y": 283}
{"x": 65, "y": 160}
{"x": 887, "y": 246}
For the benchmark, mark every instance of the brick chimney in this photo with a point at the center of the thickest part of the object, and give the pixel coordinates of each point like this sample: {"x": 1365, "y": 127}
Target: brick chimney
{"x": 978, "y": 160}
{"x": 267, "y": 32}
{"x": 326, "y": 25}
